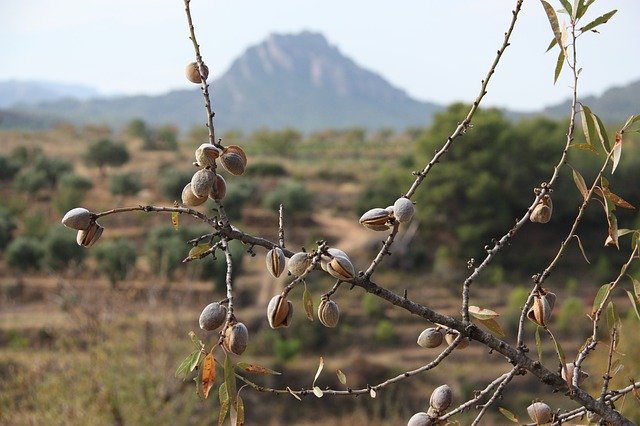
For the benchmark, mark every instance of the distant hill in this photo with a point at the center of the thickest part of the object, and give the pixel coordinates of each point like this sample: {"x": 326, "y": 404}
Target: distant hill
{"x": 15, "y": 92}
{"x": 297, "y": 80}
{"x": 615, "y": 105}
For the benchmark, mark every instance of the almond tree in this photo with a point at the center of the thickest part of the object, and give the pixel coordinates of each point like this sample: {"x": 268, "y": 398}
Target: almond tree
{"x": 475, "y": 324}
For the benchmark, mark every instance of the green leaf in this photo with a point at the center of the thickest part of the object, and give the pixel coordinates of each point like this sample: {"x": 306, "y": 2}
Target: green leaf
{"x": 509, "y": 415}
{"x": 567, "y": 6}
{"x": 223, "y": 396}
{"x": 482, "y": 313}
{"x": 257, "y": 369}
{"x": 580, "y": 183}
{"x": 493, "y": 326}
{"x": 560, "y": 352}
{"x": 585, "y": 121}
{"x": 539, "y": 343}
{"x": 185, "y": 366}
{"x": 317, "y": 392}
{"x": 199, "y": 251}
{"x": 613, "y": 320}
{"x": 341, "y": 377}
{"x": 559, "y": 64}
{"x": 602, "y": 294}
{"x": 230, "y": 379}
{"x": 196, "y": 340}
{"x": 195, "y": 361}
{"x": 634, "y": 304}
{"x": 602, "y": 133}
{"x": 598, "y": 21}
{"x": 307, "y": 301}
{"x": 584, "y": 147}
{"x": 320, "y": 367}
{"x": 631, "y": 120}
{"x": 553, "y": 43}
{"x": 553, "y": 21}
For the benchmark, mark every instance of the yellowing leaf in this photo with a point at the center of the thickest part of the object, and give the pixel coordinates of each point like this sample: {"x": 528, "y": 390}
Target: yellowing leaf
{"x": 580, "y": 183}
{"x": 307, "y": 301}
{"x": 493, "y": 326}
{"x": 208, "y": 374}
{"x": 239, "y": 412}
{"x": 616, "y": 199}
{"x": 175, "y": 220}
{"x": 482, "y": 313}
{"x": 509, "y": 415}
{"x": 553, "y": 21}
{"x": 257, "y": 369}
{"x": 198, "y": 252}
{"x": 341, "y": 377}
{"x": 223, "y": 396}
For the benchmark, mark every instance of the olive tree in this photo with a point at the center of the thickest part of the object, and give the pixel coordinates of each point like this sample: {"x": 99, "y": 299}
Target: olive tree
{"x": 477, "y": 325}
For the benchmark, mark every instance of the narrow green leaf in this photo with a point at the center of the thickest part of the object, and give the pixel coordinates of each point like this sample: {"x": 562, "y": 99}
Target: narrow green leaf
{"x": 584, "y": 121}
{"x": 560, "y": 352}
{"x": 482, "y": 313}
{"x": 223, "y": 396}
{"x": 602, "y": 133}
{"x": 254, "y": 368}
{"x": 509, "y": 415}
{"x": 567, "y": 6}
{"x": 196, "y": 360}
{"x": 317, "y": 392}
{"x": 580, "y": 183}
{"x": 582, "y": 249}
{"x": 493, "y": 326}
{"x": 185, "y": 366}
{"x": 631, "y": 120}
{"x": 613, "y": 320}
{"x": 307, "y": 301}
{"x": 602, "y": 294}
{"x": 196, "y": 340}
{"x": 559, "y": 64}
{"x": 539, "y": 343}
{"x": 634, "y": 304}
{"x": 320, "y": 367}
{"x": 584, "y": 147}
{"x": 553, "y": 21}
{"x": 598, "y": 21}
{"x": 341, "y": 377}
{"x": 553, "y": 43}
{"x": 230, "y": 379}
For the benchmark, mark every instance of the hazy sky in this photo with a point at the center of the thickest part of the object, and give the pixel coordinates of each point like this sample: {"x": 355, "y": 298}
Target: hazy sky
{"x": 435, "y": 50}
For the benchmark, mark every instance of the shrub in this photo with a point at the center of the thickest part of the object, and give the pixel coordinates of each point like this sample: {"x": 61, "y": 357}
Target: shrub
{"x": 266, "y": 169}
{"x": 238, "y": 193}
{"x": 116, "y": 259}
{"x": 293, "y": 195}
{"x": 385, "y": 333}
{"x": 7, "y": 227}
{"x": 36, "y": 225}
{"x": 30, "y": 180}
{"x": 173, "y": 181}
{"x": 24, "y": 254}
{"x": 61, "y": 249}
{"x": 71, "y": 191}
{"x": 8, "y": 168}
{"x": 125, "y": 184}
{"x": 105, "y": 152}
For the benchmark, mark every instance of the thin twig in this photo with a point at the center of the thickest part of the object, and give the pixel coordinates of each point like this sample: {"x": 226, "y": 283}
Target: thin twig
{"x": 281, "y": 226}
{"x": 496, "y": 394}
{"x": 607, "y": 374}
{"x": 204, "y": 84}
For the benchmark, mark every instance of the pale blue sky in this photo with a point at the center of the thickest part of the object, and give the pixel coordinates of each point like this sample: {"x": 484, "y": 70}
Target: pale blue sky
{"x": 435, "y": 50}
